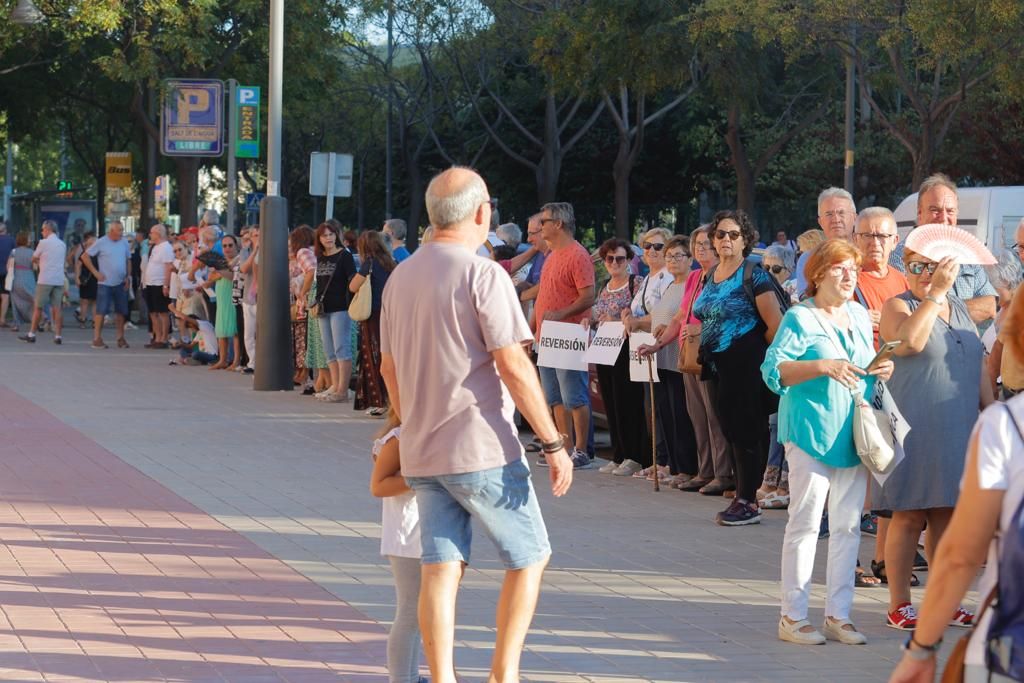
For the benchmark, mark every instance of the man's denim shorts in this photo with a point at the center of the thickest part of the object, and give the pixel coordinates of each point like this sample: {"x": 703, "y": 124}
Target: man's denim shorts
{"x": 502, "y": 501}
{"x": 569, "y": 388}
{"x": 111, "y": 299}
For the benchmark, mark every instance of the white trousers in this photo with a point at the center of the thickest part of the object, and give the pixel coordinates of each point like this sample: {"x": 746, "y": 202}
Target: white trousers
{"x": 811, "y": 484}
{"x": 249, "y": 322}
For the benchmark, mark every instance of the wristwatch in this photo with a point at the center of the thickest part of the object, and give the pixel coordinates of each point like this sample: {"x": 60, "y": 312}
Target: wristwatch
{"x": 936, "y": 300}
{"x": 921, "y": 653}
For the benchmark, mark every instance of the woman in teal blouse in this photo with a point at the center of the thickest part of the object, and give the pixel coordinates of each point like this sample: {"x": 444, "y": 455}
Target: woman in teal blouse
{"x": 815, "y": 360}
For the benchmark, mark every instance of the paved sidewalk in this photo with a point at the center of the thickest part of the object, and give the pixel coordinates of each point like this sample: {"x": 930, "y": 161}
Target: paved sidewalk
{"x": 642, "y": 586}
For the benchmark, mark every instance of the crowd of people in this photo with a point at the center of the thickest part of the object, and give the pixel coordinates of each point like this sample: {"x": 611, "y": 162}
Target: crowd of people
{"x": 761, "y": 352}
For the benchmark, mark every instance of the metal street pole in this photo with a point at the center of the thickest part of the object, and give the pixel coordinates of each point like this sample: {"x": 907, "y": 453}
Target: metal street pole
{"x": 387, "y": 128}
{"x": 273, "y": 323}
{"x": 332, "y": 159}
{"x": 848, "y": 159}
{"x": 150, "y": 218}
{"x": 232, "y": 165}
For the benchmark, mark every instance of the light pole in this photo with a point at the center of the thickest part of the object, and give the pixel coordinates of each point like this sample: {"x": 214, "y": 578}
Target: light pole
{"x": 273, "y": 323}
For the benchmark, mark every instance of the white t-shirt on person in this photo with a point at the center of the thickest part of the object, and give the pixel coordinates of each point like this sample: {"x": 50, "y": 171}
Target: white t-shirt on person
{"x": 52, "y": 253}
{"x": 156, "y": 267}
{"x": 1000, "y": 468}
{"x": 400, "y": 518}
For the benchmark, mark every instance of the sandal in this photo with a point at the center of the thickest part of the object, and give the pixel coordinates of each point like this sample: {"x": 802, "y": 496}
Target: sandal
{"x": 878, "y": 569}
{"x": 861, "y": 579}
{"x": 775, "y": 501}
{"x": 695, "y": 484}
{"x": 122, "y": 344}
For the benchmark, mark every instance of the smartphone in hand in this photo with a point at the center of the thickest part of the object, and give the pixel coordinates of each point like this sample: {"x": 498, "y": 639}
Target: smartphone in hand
{"x": 884, "y": 354}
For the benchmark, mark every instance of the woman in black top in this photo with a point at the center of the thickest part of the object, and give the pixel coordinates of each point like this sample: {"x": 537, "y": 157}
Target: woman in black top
{"x": 377, "y": 264}
{"x": 334, "y": 269}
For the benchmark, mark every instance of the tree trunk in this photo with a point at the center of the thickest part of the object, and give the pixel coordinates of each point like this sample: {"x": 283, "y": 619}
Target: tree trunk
{"x": 745, "y": 181}
{"x": 924, "y": 158}
{"x": 621, "y": 172}
{"x": 187, "y": 171}
{"x": 548, "y": 169}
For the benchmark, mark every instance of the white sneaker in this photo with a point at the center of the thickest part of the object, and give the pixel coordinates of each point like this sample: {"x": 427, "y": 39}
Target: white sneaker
{"x": 627, "y": 468}
{"x": 608, "y": 467}
{"x": 791, "y": 632}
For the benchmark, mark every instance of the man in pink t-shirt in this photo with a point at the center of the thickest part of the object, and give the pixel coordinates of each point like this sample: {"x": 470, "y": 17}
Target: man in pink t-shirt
{"x": 566, "y": 295}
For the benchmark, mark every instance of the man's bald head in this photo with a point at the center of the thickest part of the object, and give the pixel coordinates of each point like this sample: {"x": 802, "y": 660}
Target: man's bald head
{"x": 455, "y": 196}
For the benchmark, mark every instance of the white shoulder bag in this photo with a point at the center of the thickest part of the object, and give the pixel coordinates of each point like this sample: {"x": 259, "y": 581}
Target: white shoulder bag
{"x": 871, "y": 434}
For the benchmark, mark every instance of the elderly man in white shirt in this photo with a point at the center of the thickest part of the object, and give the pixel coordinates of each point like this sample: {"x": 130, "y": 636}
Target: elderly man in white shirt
{"x": 49, "y": 258}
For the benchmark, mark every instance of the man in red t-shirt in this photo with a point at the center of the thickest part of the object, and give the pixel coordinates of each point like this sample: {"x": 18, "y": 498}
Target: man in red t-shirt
{"x": 566, "y": 295}
{"x": 875, "y": 235}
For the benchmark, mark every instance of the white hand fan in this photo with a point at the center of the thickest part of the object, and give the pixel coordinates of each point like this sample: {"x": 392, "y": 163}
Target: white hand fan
{"x": 937, "y": 241}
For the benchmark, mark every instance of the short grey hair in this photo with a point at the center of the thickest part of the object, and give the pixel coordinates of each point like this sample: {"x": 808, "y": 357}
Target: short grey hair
{"x": 781, "y": 253}
{"x": 211, "y": 217}
{"x": 875, "y": 212}
{"x": 510, "y": 234}
{"x": 449, "y": 210}
{"x": 830, "y": 192}
{"x": 398, "y": 228}
{"x": 117, "y": 223}
{"x": 50, "y": 225}
{"x": 562, "y": 211}
{"x": 933, "y": 181}
{"x": 428, "y": 234}
{"x": 161, "y": 230}
{"x": 1006, "y": 274}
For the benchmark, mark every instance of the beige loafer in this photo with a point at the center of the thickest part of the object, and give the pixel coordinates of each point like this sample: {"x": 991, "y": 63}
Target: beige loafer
{"x": 834, "y": 630}
{"x": 791, "y": 632}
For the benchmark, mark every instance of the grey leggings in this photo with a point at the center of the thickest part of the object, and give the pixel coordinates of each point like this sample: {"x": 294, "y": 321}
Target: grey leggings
{"x": 404, "y": 639}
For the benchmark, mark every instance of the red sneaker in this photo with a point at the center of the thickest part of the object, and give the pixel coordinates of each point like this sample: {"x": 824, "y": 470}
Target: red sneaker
{"x": 903, "y": 618}
{"x": 962, "y": 618}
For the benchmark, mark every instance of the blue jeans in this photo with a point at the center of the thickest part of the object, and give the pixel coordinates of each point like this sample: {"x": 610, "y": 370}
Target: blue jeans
{"x": 336, "y": 334}
{"x": 500, "y": 499}
{"x": 202, "y": 357}
{"x": 571, "y": 389}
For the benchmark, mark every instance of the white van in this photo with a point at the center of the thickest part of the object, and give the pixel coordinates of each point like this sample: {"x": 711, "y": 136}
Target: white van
{"x": 990, "y": 213}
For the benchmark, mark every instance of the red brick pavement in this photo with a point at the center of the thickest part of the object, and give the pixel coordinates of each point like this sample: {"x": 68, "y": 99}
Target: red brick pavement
{"x": 106, "y": 575}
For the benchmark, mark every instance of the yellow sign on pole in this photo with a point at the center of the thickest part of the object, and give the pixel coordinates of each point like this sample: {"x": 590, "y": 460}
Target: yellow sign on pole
{"x": 119, "y": 169}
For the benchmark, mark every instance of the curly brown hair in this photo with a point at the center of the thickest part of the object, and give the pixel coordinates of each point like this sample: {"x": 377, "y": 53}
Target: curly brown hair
{"x": 740, "y": 218}
{"x": 300, "y": 238}
{"x": 613, "y": 244}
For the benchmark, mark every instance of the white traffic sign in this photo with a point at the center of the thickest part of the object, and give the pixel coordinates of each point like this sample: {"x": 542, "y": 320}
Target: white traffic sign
{"x": 319, "y": 171}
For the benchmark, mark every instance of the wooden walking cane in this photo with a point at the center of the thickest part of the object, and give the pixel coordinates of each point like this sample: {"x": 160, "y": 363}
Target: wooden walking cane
{"x": 654, "y": 438}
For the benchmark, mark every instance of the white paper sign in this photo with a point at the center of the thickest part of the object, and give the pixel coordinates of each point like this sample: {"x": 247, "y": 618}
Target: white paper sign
{"x": 638, "y": 366}
{"x": 605, "y": 346}
{"x": 562, "y": 346}
{"x": 897, "y": 424}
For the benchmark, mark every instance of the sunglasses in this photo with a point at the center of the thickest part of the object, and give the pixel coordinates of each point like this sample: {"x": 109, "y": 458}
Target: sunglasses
{"x": 918, "y": 267}
{"x": 733, "y": 235}
{"x": 615, "y": 259}
{"x": 775, "y": 269}
{"x": 656, "y": 246}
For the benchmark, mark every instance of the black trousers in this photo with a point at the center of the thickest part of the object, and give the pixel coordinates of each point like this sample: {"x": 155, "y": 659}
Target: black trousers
{"x": 743, "y": 406}
{"x": 674, "y": 420}
{"x": 624, "y": 408}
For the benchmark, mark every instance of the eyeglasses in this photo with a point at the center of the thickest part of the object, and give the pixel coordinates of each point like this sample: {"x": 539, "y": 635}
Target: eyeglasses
{"x": 656, "y": 246}
{"x": 733, "y": 235}
{"x": 704, "y": 244}
{"x": 532, "y": 233}
{"x": 918, "y": 267}
{"x": 1017, "y": 247}
{"x": 841, "y": 213}
{"x": 615, "y": 259}
{"x": 839, "y": 271}
{"x": 678, "y": 257}
{"x": 872, "y": 236}
{"x": 775, "y": 269}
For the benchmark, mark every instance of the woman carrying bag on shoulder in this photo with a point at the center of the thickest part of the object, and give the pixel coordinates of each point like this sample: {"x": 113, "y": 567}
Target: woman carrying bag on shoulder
{"x": 376, "y": 266}
{"x": 334, "y": 269}
{"x": 814, "y": 363}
